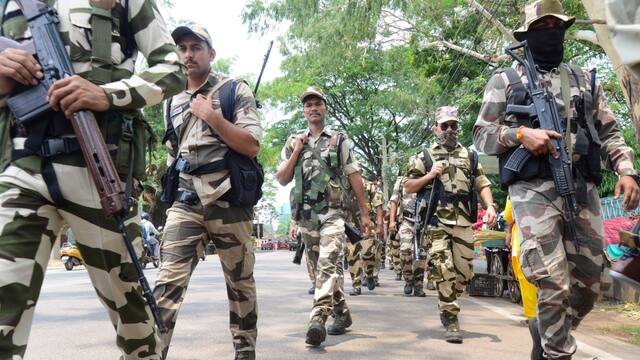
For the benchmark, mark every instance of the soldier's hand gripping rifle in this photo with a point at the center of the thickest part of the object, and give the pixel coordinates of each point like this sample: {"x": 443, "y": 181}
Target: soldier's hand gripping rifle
{"x": 544, "y": 111}
{"x": 31, "y": 103}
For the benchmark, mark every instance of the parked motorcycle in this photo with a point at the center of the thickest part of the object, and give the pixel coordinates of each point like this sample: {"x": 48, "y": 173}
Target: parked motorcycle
{"x": 70, "y": 256}
{"x": 148, "y": 257}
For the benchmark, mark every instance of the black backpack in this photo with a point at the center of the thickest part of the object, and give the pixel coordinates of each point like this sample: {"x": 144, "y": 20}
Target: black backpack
{"x": 245, "y": 174}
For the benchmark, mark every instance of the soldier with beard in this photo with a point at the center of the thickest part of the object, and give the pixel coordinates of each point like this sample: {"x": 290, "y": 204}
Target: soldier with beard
{"x": 448, "y": 234}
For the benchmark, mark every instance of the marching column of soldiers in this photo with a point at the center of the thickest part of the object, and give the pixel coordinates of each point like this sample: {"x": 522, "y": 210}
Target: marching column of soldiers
{"x": 546, "y": 120}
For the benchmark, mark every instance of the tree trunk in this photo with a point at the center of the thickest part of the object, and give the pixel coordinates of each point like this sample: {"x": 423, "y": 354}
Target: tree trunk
{"x": 629, "y": 80}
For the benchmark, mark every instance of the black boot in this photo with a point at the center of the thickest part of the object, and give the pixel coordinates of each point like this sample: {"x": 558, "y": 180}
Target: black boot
{"x": 371, "y": 283}
{"x": 245, "y": 355}
{"x": 355, "y": 292}
{"x": 340, "y": 324}
{"x": 418, "y": 292}
{"x": 312, "y": 290}
{"x": 537, "y": 353}
{"x": 408, "y": 289}
{"x": 316, "y": 333}
{"x": 450, "y": 323}
{"x": 398, "y": 277}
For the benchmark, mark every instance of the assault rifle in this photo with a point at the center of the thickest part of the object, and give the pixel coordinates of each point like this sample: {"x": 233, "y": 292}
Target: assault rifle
{"x": 297, "y": 258}
{"x": 264, "y": 64}
{"x": 543, "y": 111}
{"x": 29, "y": 104}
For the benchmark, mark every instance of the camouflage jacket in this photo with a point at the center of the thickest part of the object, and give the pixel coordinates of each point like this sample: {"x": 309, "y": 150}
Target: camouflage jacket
{"x": 311, "y": 168}
{"x": 455, "y": 179}
{"x": 165, "y": 74}
{"x": 373, "y": 195}
{"x": 405, "y": 202}
{"x": 198, "y": 145}
{"x": 494, "y": 133}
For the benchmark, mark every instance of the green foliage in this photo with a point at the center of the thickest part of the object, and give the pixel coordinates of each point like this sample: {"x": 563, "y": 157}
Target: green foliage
{"x": 385, "y": 68}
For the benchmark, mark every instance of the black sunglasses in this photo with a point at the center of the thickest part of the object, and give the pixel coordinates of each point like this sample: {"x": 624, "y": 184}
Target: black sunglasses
{"x": 445, "y": 126}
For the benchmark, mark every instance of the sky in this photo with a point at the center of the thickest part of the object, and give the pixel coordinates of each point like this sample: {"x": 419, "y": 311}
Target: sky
{"x": 231, "y": 38}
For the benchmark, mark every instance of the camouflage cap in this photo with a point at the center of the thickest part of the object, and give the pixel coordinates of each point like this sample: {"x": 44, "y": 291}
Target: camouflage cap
{"x": 538, "y": 9}
{"x": 193, "y": 29}
{"x": 447, "y": 113}
{"x": 313, "y": 91}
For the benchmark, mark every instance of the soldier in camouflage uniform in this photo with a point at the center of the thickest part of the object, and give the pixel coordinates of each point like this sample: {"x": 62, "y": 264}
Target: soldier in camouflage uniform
{"x": 199, "y": 213}
{"x": 32, "y": 210}
{"x": 567, "y": 276}
{"x": 448, "y": 234}
{"x": 371, "y": 246}
{"x": 324, "y": 168}
{"x": 393, "y": 239}
{"x": 412, "y": 269}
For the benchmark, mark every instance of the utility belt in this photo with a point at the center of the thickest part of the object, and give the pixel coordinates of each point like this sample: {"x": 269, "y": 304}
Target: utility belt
{"x": 454, "y": 199}
{"x": 50, "y": 136}
{"x": 187, "y": 197}
{"x": 171, "y": 178}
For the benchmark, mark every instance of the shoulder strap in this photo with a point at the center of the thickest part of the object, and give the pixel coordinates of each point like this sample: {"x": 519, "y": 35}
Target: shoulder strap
{"x": 227, "y": 96}
{"x": 578, "y": 74}
{"x": 125, "y": 28}
{"x": 518, "y": 90}
{"x": 3, "y": 8}
{"x": 101, "y": 27}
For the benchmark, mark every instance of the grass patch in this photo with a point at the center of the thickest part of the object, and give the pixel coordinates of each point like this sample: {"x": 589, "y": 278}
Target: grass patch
{"x": 633, "y": 332}
{"x": 629, "y": 309}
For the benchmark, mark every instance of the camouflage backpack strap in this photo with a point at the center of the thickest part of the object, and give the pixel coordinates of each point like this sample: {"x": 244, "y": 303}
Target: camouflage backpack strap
{"x": 519, "y": 92}
{"x": 101, "y": 28}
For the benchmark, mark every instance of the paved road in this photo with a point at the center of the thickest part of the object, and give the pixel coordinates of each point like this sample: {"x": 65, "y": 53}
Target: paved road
{"x": 71, "y": 324}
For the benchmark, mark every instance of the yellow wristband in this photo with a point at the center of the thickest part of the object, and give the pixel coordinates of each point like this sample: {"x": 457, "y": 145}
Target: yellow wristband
{"x": 519, "y": 133}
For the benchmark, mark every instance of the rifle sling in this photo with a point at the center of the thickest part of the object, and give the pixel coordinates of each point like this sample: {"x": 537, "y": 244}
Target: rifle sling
{"x": 565, "y": 90}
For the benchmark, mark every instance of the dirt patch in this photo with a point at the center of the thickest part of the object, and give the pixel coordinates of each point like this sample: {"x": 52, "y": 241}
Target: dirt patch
{"x": 618, "y": 321}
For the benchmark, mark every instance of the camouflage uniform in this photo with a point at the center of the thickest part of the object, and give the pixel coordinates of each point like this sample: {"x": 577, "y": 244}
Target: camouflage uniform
{"x": 371, "y": 246}
{"x": 328, "y": 229}
{"x": 450, "y": 242}
{"x": 354, "y": 251}
{"x": 192, "y": 224}
{"x": 393, "y": 241}
{"x": 568, "y": 281}
{"x": 412, "y": 270}
{"x": 29, "y": 218}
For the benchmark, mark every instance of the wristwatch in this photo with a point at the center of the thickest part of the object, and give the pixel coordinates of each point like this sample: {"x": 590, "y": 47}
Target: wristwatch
{"x": 634, "y": 175}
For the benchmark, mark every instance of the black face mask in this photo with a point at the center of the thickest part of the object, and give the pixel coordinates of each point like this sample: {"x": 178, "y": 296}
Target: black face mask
{"x": 547, "y": 47}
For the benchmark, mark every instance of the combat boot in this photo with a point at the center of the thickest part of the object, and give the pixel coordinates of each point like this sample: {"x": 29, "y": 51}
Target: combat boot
{"x": 537, "y": 353}
{"x": 408, "y": 289}
{"x": 430, "y": 285}
{"x": 312, "y": 290}
{"x": 398, "y": 277}
{"x": 371, "y": 283}
{"x": 340, "y": 324}
{"x": 316, "y": 334}
{"x": 355, "y": 292}
{"x": 245, "y": 355}
{"x": 418, "y": 292}
{"x": 450, "y": 323}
